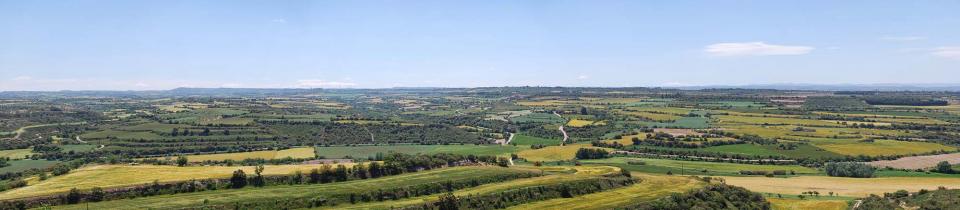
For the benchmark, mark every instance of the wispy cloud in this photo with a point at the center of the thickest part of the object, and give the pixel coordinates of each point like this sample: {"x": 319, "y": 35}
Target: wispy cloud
{"x": 583, "y": 77}
{"x": 22, "y": 78}
{"x": 279, "y": 20}
{"x": 316, "y": 83}
{"x": 902, "y": 38}
{"x": 754, "y": 49}
{"x": 952, "y": 52}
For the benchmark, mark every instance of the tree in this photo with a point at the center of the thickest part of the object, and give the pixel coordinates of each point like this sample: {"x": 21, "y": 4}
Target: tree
{"x": 73, "y": 196}
{"x": 181, "y": 161}
{"x": 583, "y": 110}
{"x": 97, "y": 194}
{"x": 944, "y": 167}
{"x": 239, "y": 179}
{"x": 258, "y": 180}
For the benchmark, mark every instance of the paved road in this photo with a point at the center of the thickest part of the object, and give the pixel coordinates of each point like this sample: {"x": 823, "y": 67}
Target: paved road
{"x": 565, "y": 137}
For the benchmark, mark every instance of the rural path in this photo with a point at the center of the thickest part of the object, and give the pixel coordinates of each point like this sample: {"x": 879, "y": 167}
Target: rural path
{"x": 509, "y": 139}
{"x": 565, "y": 137}
{"x": 857, "y": 204}
{"x": 23, "y": 129}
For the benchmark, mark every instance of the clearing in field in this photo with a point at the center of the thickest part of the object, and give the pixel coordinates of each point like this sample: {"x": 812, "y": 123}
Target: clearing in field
{"x": 847, "y": 187}
{"x": 124, "y": 175}
{"x": 651, "y": 188}
{"x": 554, "y": 153}
{"x": 296, "y": 153}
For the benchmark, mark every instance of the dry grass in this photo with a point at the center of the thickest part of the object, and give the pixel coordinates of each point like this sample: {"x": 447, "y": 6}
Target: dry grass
{"x": 126, "y": 175}
{"x": 553, "y": 153}
{"x": 581, "y": 123}
{"x": 793, "y": 204}
{"x": 848, "y": 187}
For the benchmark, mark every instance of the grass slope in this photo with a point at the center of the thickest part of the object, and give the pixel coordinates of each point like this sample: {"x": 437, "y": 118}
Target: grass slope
{"x": 298, "y": 191}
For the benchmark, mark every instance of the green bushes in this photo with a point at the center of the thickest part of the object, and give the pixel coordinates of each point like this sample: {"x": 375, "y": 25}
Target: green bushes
{"x": 592, "y": 153}
{"x": 714, "y": 196}
{"x": 849, "y": 169}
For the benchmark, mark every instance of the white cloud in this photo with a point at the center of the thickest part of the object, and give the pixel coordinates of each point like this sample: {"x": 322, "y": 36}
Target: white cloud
{"x": 22, "y": 78}
{"x": 279, "y": 20}
{"x": 902, "y": 38}
{"x": 754, "y": 49}
{"x": 141, "y": 84}
{"x": 583, "y": 77}
{"x": 316, "y": 83}
{"x": 947, "y": 52}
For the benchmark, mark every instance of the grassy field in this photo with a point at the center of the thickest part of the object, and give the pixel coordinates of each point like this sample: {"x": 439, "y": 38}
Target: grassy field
{"x": 662, "y": 166}
{"x": 369, "y": 151}
{"x": 124, "y": 175}
{"x": 809, "y": 203}
{"x": 651, "y": 188}
{"x": 15, "y": 154}
{"x": 300, "y": 152}
{"x": 878, "y": 147}
{"x": 537, "y": 118}
{"x": 531, "y": 140}
{"x": 683, "y": 122}
{"x": 553, "y": 153}
{"x": 849, "y": 187}
{"x": 298, "y": 191}
{"x": 582, "y": 173}
{"x": 803, "y": 150}
{"x": 23, "y": 165}
{"x": 581, "y": 123}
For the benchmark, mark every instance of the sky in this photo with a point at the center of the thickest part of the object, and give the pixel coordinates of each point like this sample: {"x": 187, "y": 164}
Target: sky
{"x": 155, "y": 45}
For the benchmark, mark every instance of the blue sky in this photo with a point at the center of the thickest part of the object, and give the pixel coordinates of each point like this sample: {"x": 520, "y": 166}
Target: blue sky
{"x": 143, "y": 45}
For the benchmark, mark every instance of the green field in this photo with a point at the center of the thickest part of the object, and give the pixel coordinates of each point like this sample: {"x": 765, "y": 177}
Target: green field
{"x": 296, "y": 153}
{"x": 662, "y": 166}
{"x": 297, "y": 191}
{"x": 23, "y": 165}
{"x": 683, "y": 122}
{"x": 370, "y": 151}
{"x": 651, "y": 188}
{"x": 15, "y": 154}
{"x": 802, "y": 150}
{"x": 538, "y": 118}
{"x": 520, "y": 139}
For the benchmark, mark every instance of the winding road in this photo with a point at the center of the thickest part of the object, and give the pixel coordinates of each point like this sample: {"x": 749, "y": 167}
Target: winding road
{"x": 565, "y": 136}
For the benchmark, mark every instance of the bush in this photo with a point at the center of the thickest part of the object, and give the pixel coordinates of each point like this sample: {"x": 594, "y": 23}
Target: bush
{"x": 849, "y": 169}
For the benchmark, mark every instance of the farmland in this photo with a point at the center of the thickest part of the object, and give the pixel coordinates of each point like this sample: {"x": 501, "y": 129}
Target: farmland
{"x": 667, "y": 143}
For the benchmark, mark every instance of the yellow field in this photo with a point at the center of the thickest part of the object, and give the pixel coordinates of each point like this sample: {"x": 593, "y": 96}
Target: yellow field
{"x": 652, "y": 116}
{"x": 810, "y": 204}
{"x": 627, "y": 139}
{"x": 15, "y": 154}
{"x": 926, "y": 121}
{"x": 125, "y": 175}
{"x": 847, "y": 187}
{"x": 581, "y": 123}
{"x": 651, "y": 188}
{"x": 300, "y": 152}
{"x": 553, "y": 153}
{"x": 878, "y": 147}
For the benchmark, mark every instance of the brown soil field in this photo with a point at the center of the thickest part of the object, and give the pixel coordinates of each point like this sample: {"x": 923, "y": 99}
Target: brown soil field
{"x": 917, "y": 162}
